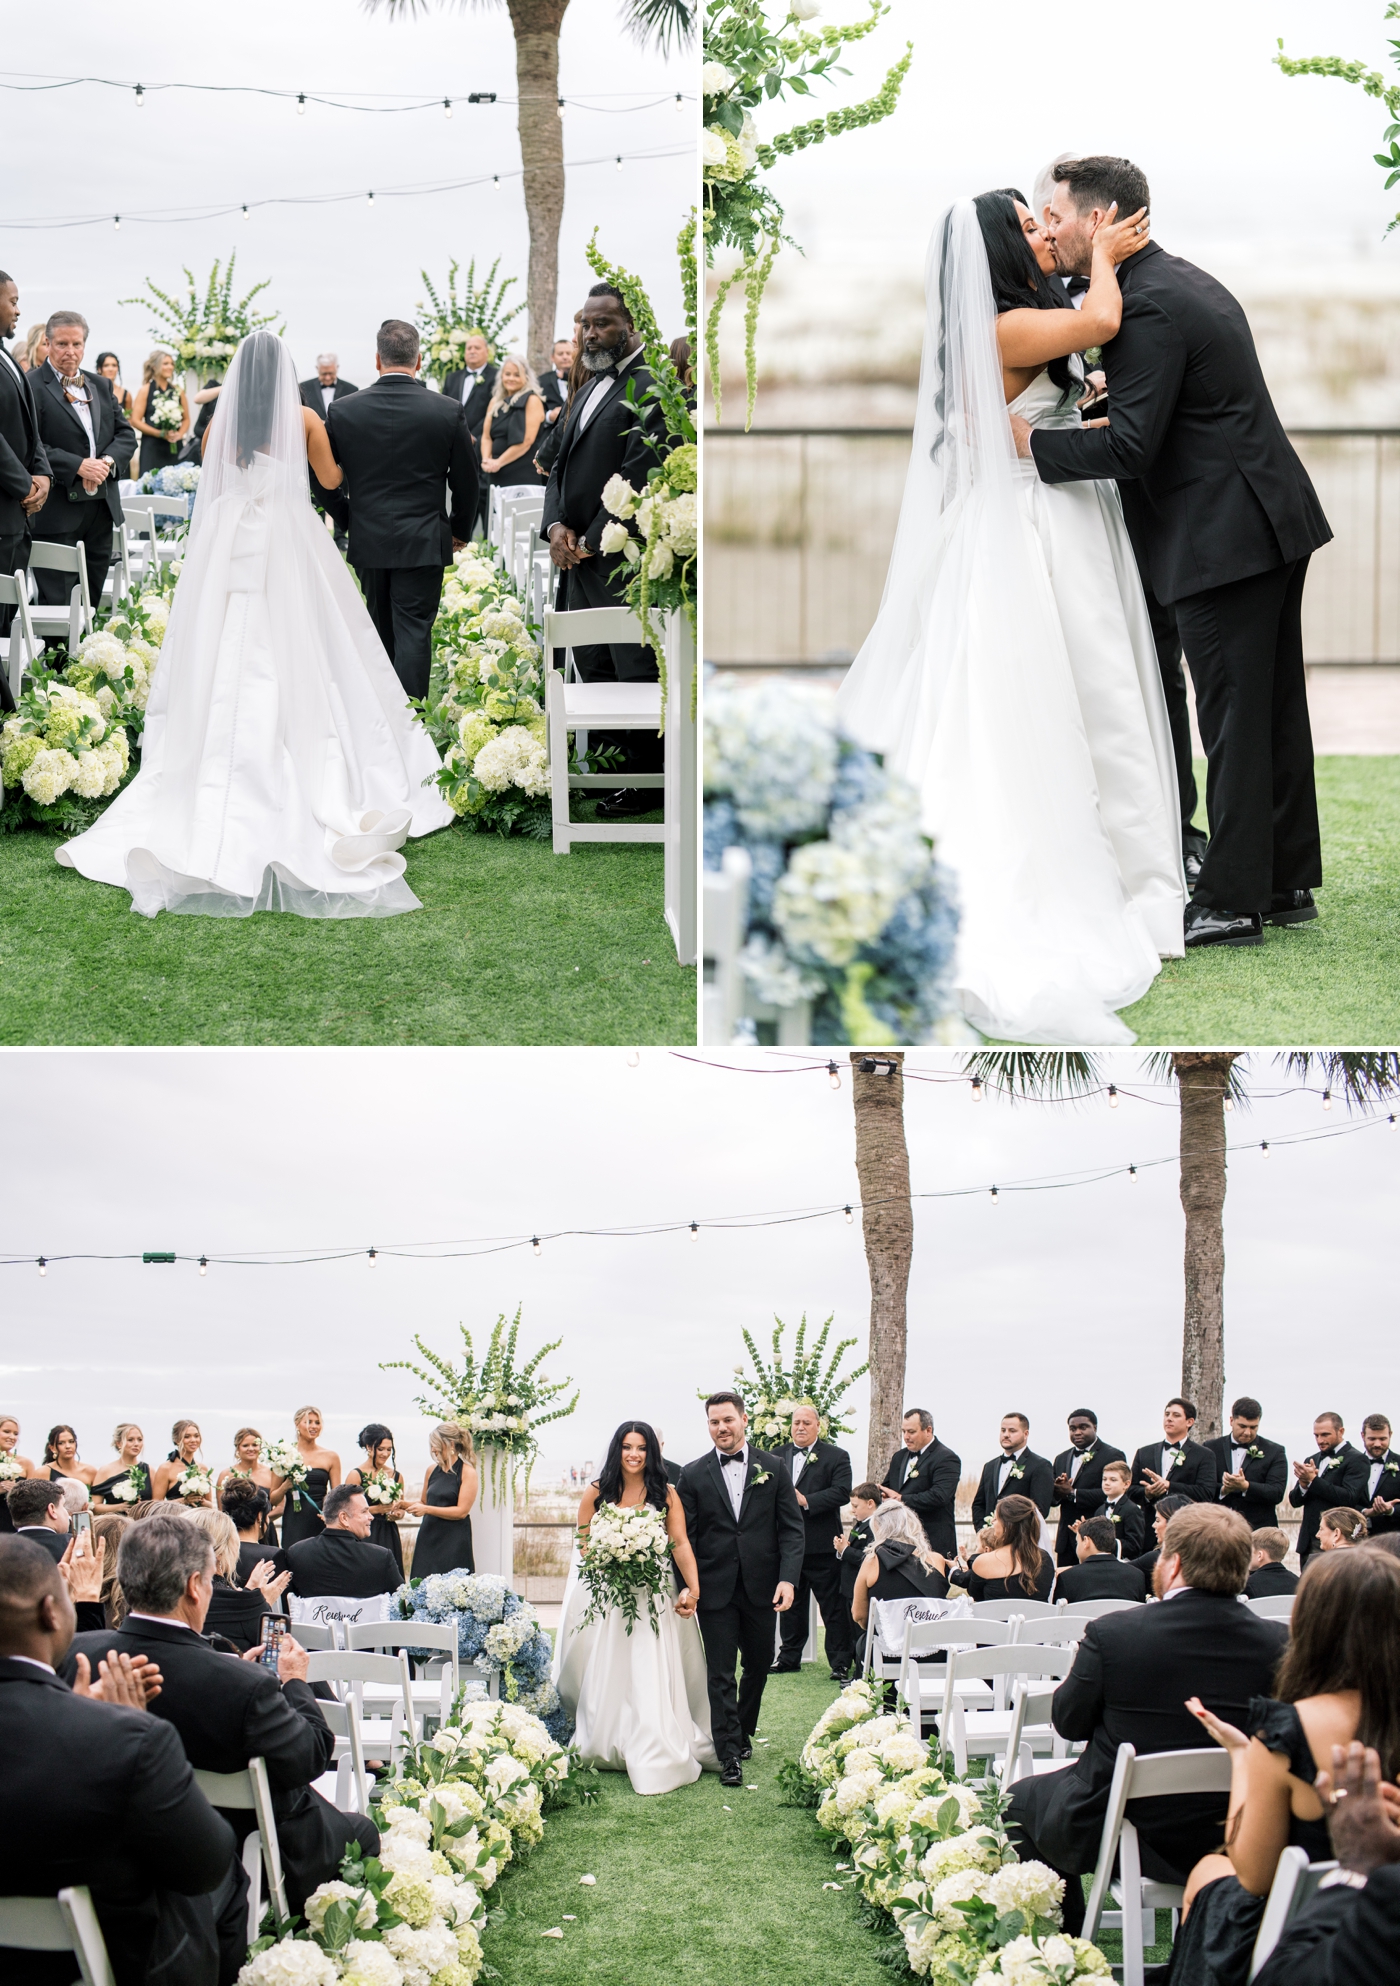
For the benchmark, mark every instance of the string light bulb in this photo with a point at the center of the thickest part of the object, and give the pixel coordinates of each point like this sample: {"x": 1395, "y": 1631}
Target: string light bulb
{"x": 447, "y": 106}
{"x": 976, "y": 1089}
{"x": 619, "y": 162}
{"x": 1132, "y": 1172}
{"x": 850, "y": 1217}
{"x": 371, "y": 199}
{"x": 694, "y": 1231}
{"x": 204, "y": 1265}
{"x": 561, "y": 109}
{"x": 995, "y": 1196}
{"x": 140, "y": 95}
{"x": 373, "y": 1257}
{"x": 1229, "y": 1103}
{"x": 1327, "y": 1099}
{"x": 680, "y": 102}
{"x": 833, "y": 1075}
{"x": 245, "y": 213}
{"x": 43, "y": 1266}
{"x": 1264, "y": 1148}
{"x": 1112, "y": 1096}
{"x": 117, "y": 223}
{"x": 1391, "y": 1120}
{"x": 535, "y": 1243}
{"x": 301, "y": 104}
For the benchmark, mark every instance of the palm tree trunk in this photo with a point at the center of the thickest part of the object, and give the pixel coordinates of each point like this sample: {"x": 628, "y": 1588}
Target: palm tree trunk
{"x": 887, "y": 1220}
{"x": 537, "y": 24}
{"x": 1203, "y": 1082}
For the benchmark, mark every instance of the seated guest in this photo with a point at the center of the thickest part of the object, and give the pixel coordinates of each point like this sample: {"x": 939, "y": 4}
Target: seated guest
{"x": 107, "y": 1533}
{"x": 1253, "y": 1472}
{"x": 76, "y": 1496}
{"x": 229, "y": 1711}
{"x": 1388, "y": 1541}
{"x": 1010, "y": 1565}
{"x": 1166, "y": 1510}
{"x": 1078, "y": 1487}
{"x": 39, "y": 1514}
{"x": 246, "y": 1505}
{"x": 1100, "y": 1573}
{"x": 1335, "y": 1475}
{"x": 1339, "y": 1681}
{"x": 146, "y": 1842}
{"x": 1176, "y": 1465}
{"x": 898, "y": 1564}
{"x": 1382, "y": 1499}
{"x": 1340, "y": 1528}
{"x": 1268, "y": 1575}
{"x": 1133, "y": 1671}
{"x": 342, "y": 1561}
{"x": 1355, "y": 1917}
{"x": 1122, "y": 1509}
{"x": 1015, "y": 1472}
{"x": 236, "y": 1607}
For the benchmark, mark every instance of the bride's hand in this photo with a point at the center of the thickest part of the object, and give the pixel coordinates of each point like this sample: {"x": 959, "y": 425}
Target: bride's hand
{"x": 1120, "y": 239}
{"x": 685, "y": 1603}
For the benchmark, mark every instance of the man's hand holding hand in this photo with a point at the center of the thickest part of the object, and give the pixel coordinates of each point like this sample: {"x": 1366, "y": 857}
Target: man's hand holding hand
{"x": 1022, "y": 432}
{"x": 38, "y": 495}
{"x": 92, "y": 474}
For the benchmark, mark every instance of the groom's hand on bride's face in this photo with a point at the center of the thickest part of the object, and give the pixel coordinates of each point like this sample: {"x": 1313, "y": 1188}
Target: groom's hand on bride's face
{"x": 1021, "y": 430}
{"x": 783, "y": 1598}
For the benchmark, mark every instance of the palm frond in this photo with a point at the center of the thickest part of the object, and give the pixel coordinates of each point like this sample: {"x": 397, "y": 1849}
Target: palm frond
{"x": 661, "y": 24}
{"x": 1358, "y": 1079}
{"x": 1058, "y": 1075}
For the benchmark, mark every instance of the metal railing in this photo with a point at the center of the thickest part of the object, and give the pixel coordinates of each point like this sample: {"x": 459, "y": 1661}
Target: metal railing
{"x": 799, "y": 523}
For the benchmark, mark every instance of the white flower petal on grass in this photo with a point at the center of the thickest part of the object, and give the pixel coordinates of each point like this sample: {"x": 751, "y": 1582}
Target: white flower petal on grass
{"x": 555, "y": 1933}
{"x": 588, "y": 1879}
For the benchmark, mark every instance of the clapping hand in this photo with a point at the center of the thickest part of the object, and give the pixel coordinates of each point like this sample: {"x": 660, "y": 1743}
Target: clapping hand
{"x": 1154, "y": 1484}
{"x": 128, "y": 1681}
{"x": 1363, "y": 1811}
{"x": 1235, "y": 1482}
{"x": 1306, "y": 1472}
{"x": 267, "y": 1580}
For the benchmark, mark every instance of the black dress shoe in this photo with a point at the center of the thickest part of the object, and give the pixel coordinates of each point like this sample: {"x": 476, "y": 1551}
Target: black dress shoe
{"x": 1193, "y": 854}
{"x": 842, "y": 1676}
{"x": 629, "y": 801}
{"x": 1291, "y": 907}
{"x": 786, "y": 1669}
{"x": 1205, "y": 926}
{"x": 746, "y": 1750}
{"x": 732, "y": 1773}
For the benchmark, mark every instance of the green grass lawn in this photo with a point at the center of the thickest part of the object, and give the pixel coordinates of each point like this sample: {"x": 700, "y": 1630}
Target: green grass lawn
{"x": 513, "y": 945}
{"x": 1334, "y": 982}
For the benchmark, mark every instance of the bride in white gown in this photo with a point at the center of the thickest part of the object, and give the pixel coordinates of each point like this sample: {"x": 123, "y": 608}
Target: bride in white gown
{"x": 1011, "y": 673}
{"x": 640, "y": 1701}
{"x": 281, "y": 767}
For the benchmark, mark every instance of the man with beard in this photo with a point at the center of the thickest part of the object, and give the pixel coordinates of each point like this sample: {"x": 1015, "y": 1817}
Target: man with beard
{"x": 24, "y": 467}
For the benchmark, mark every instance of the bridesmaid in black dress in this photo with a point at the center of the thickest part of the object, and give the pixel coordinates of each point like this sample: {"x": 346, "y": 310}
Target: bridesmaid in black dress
{"x": 513, "y": 422}
{"x": 449, "y": 1491}
{"x": 378, "y": 1445}
{"x": 184, "y": 1453}
{"x": 160, "y": 394}
{"x": 250, "y": 1467}
{"x": 301, "y": 1513}
{"x": 128, "y": 1441}
{"x": 61, "y": 1457}
{"x": 1014, "y": 1567}
{"x": 9, "y": 1451}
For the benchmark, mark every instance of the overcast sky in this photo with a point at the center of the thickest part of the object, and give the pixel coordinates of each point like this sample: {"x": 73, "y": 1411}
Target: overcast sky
{"x": 1043, "y": 1302}
{"x": 337, "y": 271}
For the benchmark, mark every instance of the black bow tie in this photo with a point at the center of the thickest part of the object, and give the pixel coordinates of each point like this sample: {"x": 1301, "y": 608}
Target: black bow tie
{"x": 731, "y": 1458}
{"x": 1075, "y": 286}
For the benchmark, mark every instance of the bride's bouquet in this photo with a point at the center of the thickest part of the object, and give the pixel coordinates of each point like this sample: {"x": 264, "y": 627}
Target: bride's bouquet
{"x": 626, "y": 1560}
{"x": 381, "y": 1487}
{"x": 195, "y": 1483}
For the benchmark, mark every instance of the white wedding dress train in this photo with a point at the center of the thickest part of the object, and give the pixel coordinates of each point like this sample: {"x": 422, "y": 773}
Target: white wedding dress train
{"x": 1011, "y": 676}
{"x": 640, "y": 1700}
{"x": 281, "y": 767}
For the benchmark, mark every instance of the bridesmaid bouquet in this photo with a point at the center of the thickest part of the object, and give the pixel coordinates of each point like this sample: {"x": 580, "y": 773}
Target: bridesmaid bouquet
{"x": 195, "y": 1483}
{"x": 130, "y": 1488}
{"x": 10, "y": 1469}
{"x": 626, "y": 1558}
{"x": 284, "y": 1459}
{"x": 381, "y": 1486}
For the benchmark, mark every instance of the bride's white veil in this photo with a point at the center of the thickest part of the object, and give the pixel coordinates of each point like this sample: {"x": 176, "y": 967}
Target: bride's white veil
{"x": 257, "y": 420}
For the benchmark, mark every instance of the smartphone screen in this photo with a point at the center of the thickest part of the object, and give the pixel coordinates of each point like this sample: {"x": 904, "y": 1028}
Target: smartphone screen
{"x": 82, "y": 1523}
{"x": 273, "y": 1628}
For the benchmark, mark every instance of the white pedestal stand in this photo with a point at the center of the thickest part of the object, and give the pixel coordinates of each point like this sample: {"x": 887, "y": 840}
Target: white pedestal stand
{"x": 493, "y": 1518}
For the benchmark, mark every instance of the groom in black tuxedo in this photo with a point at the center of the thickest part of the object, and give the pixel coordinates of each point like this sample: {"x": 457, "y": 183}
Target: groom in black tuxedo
{"x": 399, "y": 445}
{"x": 745, "y": 1527}
{"x": 1223, "y": 521}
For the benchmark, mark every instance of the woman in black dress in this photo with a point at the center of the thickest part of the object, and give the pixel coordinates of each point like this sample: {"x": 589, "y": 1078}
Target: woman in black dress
{"x": 449, "y": 1491}
{"x": 61, "y": 1457}
{"x": 9, "y": 1452}
{"x": 301, "y": 1512}
{"x": 899, "y": 1564}
{"x": 160, "y": 413}
{"x": 1013, "y": 1567}
{"x": 250, "y": 1467}
{"x": 128, "y": 1441}
{"x": 236, "y": 1606}
{"x": 110, "y": 367}
{"x": 245, "y": 1505}
{"x": 378, "y": 1445}
{"x": 184, "y": 1454}
{"x": 513, "y": 422}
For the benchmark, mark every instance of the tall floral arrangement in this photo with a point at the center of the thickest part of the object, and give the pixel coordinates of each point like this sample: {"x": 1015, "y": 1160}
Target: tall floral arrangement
{"x": 204, "y": 329}
{"x": 847, "y": 907}
{"x": 446, "y": 322}
{"x": 775, "y": 1387}
{"x": 749, "y": 64}
{"x": 1373, "y": 83}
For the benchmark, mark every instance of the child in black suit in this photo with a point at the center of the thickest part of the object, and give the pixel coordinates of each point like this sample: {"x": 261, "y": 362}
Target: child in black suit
{"x": 851, "y": 1549}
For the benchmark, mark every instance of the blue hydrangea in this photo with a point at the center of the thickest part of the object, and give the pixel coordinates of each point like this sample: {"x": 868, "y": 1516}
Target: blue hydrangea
{"x": 477, "y": 1602}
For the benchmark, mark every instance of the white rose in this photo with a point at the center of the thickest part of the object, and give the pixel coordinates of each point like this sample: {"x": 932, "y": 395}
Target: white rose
{"x": 713, "y": 150}
{"x": 615, "y": 538}
{"x": 716, "y": 80}
{"x": 804, "y": 10}
{"x": 620, "y": 497}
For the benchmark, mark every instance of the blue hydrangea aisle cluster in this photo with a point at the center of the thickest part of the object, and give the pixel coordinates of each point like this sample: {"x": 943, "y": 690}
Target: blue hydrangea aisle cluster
{"x": 497, "y": 1629}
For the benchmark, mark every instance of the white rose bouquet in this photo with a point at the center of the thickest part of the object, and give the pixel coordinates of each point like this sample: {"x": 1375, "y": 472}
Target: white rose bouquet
{"x": 381, "y": 1487}
{"x": 194, "y": 1483}
{"x": 10, "y": 1471}
{"x": 285, "y": 1460}
{"x": 626, "y": 1562}
{"x": 131, "y": 1487}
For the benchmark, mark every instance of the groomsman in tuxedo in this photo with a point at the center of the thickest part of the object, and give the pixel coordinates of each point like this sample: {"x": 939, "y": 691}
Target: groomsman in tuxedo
{"x": 924, "y": 1475}
{"x": 470, "y": 386}
{"x": 1078, "y": 1480}
{"x": 554, "y": 384}
{"x": 1176, "y": 1463}
{"x": 745, "y": 1527}
{"x": 1336, "y": 1475}
{"x": 1100, "y": 1573}
{"x": 25, "y": 474}
{"x": 90, "y": 443}
{"x": 1121, "y": 1509}
{"x": 606, "y": 434}
{"x": 1382, "y": 1505}
{"x": 320, "y": 395}
{"x": 821, "y": 1476}
{"x": 1269, "y": 1577}
{"x": 1015, "y": 1472}
{"x": 1253, "y": 1471}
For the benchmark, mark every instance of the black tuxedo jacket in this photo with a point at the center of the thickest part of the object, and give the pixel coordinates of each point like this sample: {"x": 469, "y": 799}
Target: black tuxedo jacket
{"x": 1087, "y": 1498}
{"x": 1128, "y": 1521}
{"x": 617, "y": 441}
{"x": 825, "y": 1481}
{"x": 1036, "y": 1481}
{"x": 339, "y": 1563}
{"x": 1387, "y": 1485}
{"x": 22, "y": 455}
{"x": 673, "y": 1471}
{"x": 1100, "y": 1578}
{"x": 399, "y": 446}
{"x": 764, "y": 1547}
{"x": 853, "y": 1557}
{"x": 1341, "y": 1479}
{"x": 1212, "y": 489}
{"x": 55, "y": 1543}
{"x": 1269, "y": 1581}
{"x": 928, "y": 1484}
{"x": 1132, "y": 1674}
{"x": 477, "y": 401}
{"x": 1267, "y": 1476}
{"x": 1195, "y": 1475}
{"x": 1337, "y": 1938}
{"x": 312, "y": 397}
{"x": 227, "y": 1711}
{"x": 66, "y": 444}
{"x": 143, "y": 1838}
{"x": 553, "y": 389}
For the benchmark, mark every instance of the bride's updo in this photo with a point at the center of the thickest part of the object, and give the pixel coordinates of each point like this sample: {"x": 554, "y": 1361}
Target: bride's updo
{"x": 653, "y": 1470}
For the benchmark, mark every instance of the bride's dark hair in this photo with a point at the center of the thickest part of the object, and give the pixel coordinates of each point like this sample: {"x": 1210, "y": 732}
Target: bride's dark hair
{"x": 653, "y": 1471}
{"x": 1018, "y": 281}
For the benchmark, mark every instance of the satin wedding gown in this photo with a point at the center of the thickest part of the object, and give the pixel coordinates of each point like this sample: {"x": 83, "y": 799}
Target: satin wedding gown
{"x": 1011, "y": 676}
{"x": 282, "y": 768}
{"x": 640, "y": 1701}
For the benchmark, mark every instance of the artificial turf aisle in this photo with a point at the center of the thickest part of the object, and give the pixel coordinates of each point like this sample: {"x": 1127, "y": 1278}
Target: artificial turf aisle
{"x": 513, "y": 945}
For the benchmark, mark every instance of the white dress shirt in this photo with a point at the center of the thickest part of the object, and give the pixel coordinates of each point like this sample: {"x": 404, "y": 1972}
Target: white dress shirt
{"x": 327, "y": 395}
{"x": 1078, "y": 1463}
{"x": 82, "y": 408}
{"x": 1377, "y": 1470}
{"x": 1008, "y": 1463}
{"x": 20, "y": 377}
{"x": 801, "y": 1457}
{"x": 469, "y": 380}
{"x": 735, "y": 1478}
{"x": 600, "y": 390}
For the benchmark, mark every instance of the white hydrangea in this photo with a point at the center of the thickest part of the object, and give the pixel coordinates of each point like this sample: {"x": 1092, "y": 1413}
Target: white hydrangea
{"x": 291, "y": 1963}
{"x": 1027, "y": 1962}
{"x": 501, "y": 626}
{"x": 48, "y": 775}
{"x": 369, "y": 1964}
{"x": 421, "y": 1953}
{"x": 154, "y": 612}
{"x": 680, "y": 522}
{"x": 963, "y": 1886}
{"x": 969, "y": 1805}
{"x": 102, "y": 651}
{"x": 978, "y": 1849}
{"x": 615, "y": 539}
{"x": 514, "y": 757}
{"x": 831, "y": 902}
{"x": 321, "y": 1899}
{"x": 772, "y": 746}
{"x": 620, "y": 497}
{"x": 775, "y": 979}
{"x": 90, "y": 776}
{"x": 903, "y": 1752}
{"x": 1029, "y": 1887}
{"x": 856, "y": 1789}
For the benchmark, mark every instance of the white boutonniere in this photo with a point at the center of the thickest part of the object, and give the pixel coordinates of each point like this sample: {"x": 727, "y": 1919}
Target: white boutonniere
{"x": 759, "y": 1476}
{"x": 1176, "y": 1459}
{"x": 1256, "y": 1453}
{"x": 1088, "y": 1455}
{"x": 1115, "y": 1517}
{"x": 1332, "y": 1462}
{"x": 1392, "y": 1469}
{"x": 1015, "y": 1472}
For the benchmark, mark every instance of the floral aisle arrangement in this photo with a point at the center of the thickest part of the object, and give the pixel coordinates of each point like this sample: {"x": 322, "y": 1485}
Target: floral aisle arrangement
{"x": 497, "y": 1629}
{"x": 847, "y": 906}
{"x": 445, "y": 323}
{"x": 626, "y": 1560}
{"x": 749, "y": 64}
{"x": 204, "y": 331}
{"x": 931, "y": 1857}
{"x": 1373, "y": 83}
{"x": 176, "y": 479}
{"x": 773, "y": 1390}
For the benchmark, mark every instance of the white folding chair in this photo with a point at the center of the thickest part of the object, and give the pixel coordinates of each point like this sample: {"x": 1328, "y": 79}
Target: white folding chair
{"x": 63, "y": 1923}
{"x": 72, "y": 622}
{"x": 427, "y": 1694}
{"x": 1031, "y": 1706}
{"x": 22, "y": 644}
{"x": 143, "y": 515}
{"x": 243, "y": 1792}
{"x": 1094, "y": 1610}
{"x": 1273, "y": 1606}
{"x": 923, "y": 1640}
{"x": 1295, "y": 1884}
{"x": 726, "y": 894}
{"x": 1052, "y": 1630}
{"x": 1158, "y": 1775}
{"x": 681, "y": 759}
{"x": 596, "y": 706}
{"x": 350, "y": 1779}
{"x": 967, "y": 1731}
{"x": 316, "y": 1637}
{"x": 348, "y": 1673}
{"x": 120, "y": 580}
{"x": 1005, "y": 1610}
